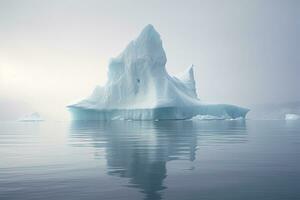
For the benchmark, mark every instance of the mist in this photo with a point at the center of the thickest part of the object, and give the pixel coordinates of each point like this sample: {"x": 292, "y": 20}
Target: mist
{"x": 53, "y": 53}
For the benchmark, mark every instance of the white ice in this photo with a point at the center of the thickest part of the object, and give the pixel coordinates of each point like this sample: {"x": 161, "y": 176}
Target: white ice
{"x": 292, "y": 117}
{"x": 31, "y": 117}
{"x": 140, "y": 88}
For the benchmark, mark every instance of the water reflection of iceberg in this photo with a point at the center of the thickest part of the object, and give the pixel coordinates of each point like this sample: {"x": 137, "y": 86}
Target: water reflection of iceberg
{"x": 139, "y": 150}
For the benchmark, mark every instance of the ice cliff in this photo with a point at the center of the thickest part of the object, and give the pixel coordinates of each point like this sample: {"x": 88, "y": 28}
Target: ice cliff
{"x": 140, "y": 88}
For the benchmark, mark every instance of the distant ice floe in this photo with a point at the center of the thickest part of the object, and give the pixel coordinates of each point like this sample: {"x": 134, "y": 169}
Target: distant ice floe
{"x": 292, "y": 117}
{"x": 33, "y": 117}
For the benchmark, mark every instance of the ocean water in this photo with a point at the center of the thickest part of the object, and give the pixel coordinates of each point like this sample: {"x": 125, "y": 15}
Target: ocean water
{"x": 150, "y": 160}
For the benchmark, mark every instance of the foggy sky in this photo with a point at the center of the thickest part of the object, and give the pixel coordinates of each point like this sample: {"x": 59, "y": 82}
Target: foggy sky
{"x": 54, "y": 52}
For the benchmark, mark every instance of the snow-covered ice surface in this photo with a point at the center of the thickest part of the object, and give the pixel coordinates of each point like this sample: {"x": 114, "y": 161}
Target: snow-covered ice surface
{"x": 292, "y": 117}
{"x": 139, "y": 88}
{"x": 33, "y": 117}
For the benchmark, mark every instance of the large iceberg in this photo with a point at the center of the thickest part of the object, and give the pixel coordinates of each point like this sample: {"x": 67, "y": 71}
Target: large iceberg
{"x": 139, "y": 88}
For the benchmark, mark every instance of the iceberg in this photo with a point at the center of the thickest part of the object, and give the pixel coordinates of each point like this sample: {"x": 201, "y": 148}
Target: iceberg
{"x": 292, "y": 117}
{"x": 33, "y": 117}
{"x": 140, "y": 88}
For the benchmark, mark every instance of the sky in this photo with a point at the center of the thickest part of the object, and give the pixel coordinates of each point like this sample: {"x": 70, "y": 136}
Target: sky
{"x": 54, "y": 52}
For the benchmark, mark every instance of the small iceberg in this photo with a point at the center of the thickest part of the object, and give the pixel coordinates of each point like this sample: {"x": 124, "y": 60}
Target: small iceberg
{"x": 33, "y": 117}
{"x": 292, "y": 117}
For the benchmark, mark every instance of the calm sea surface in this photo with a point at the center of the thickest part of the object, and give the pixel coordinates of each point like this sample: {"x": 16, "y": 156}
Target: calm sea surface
{"x": 150, "y": 160}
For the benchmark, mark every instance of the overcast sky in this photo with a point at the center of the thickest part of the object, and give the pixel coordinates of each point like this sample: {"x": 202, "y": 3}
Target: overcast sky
{"x": 54, "y": 52}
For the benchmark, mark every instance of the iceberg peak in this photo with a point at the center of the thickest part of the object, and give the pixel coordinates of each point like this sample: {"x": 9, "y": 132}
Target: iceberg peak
{"x": 148, "y": 31}
{"x": 149, "y": 35}
{"x": 148, "y": 47}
